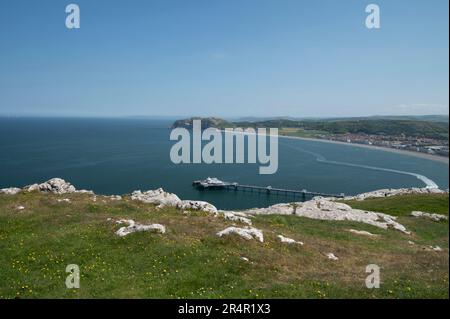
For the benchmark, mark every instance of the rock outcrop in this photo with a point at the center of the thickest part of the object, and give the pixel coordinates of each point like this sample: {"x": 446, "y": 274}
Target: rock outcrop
{"x": 235, "y": 217}
{"x": 165, "y": 199}
{"x": 157, "y": 196}
{"x": 246, "y": 232}
{"x": 325, "y": 209}
{"x": 394, "y": 192}
{"x": 435, "y": 217}
{"x": 54, "y": 186}
{"x": 136, "y": 227}
{"x": 362, "y": 233}
{"x": 197, "y": 205}
{"x": 277, "y": 209}
{"x": 332, "y": 256}
{"x": 289, "y": 240}
{"x": 10, "y": 191}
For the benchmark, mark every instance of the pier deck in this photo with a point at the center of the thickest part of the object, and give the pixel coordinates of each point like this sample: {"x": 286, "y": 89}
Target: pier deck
{"x": 214, "y": 183}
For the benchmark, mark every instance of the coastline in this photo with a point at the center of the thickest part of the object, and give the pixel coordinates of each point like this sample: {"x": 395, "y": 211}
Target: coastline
{"x": 431, "y": 157}
{"x": 436, "y": 158}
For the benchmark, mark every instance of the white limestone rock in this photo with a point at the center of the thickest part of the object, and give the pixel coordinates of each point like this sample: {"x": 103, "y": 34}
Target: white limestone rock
{"x": 332, "y": 256}
{"x": 362, "y": 232}
{"x": 289, "y": 240}
{"x": 197, "y": 205}
{"x": 20, "y": 207}
{"x": 84, "y": 191}
{"x": 325, "y": 209}
{"x": 394, "y": 192}
{"x": 246, "y": 232}
{"x": 157, "y": 196}
{"x": 10, "y": 191}
{"x": 278, "y": 209}
{"x": 235, "y": 217}
{"x": 436, "y": 248}
{"x": 54, "y": 185}
{"x": 435, "y": 217}
{"x": 63, "y": 200}
{"x": 136, "y": 227}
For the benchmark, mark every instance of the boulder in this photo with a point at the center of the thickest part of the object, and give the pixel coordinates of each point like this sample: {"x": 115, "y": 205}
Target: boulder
{"x": 136, "y": 227}
{"x": 289, "y": 240}
{"x": 246, "y": 232}
{"x": 332, "y": 256}
{"x": 157, "y": 196}
{"x": 235, "y": 217}
{"x": 197, "y": 205}
{"x": 54, "y": 185}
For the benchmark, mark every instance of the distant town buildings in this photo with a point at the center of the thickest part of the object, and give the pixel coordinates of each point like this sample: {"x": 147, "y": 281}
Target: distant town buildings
{"x": 402, "y": 142}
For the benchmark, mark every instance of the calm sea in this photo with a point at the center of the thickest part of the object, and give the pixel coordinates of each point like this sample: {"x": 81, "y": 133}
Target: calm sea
{"x": 117, "y": 156}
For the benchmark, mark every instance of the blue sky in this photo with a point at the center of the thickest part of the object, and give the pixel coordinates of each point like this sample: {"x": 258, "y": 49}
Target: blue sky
{"x": 224, "y": 58}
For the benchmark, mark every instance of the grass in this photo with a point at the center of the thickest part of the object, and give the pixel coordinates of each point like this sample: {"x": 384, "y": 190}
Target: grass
{"x": 190, "y": 261}
{"x": 298, "y": 132}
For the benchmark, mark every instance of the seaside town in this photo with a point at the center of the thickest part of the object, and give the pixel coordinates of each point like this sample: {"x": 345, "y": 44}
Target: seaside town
{"x": 408, "y": 143}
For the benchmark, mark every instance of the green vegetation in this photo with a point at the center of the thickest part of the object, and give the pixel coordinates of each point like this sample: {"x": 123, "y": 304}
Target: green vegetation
{"x": 206, "y": 123}
{"x": 291, "y": 131}
{"x": 437, "y": 130}
{"x": 403, "y": 205}
{"x": 191, "y": 261}
{"x": 312, "y": 128}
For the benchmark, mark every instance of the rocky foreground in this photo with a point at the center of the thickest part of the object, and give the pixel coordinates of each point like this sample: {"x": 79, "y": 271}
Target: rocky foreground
{"x": 318, "y": 208}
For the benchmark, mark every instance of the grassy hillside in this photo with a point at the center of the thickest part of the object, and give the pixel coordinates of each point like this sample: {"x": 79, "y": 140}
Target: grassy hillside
{"x": 191, "y": 261}
{"x": 206, "y": 123}
{"x": 307, "y": 128}
{"x": 411, "y": 128}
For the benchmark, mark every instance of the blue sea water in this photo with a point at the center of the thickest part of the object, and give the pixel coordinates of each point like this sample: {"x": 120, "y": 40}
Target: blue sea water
{"x": 117, "y": 156}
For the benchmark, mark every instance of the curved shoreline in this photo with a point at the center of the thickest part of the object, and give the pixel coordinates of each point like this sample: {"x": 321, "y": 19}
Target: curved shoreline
{"x": 435, "y": 158}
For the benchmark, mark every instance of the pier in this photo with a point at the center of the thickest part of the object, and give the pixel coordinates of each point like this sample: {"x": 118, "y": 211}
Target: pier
{"x": 214, "y": 183}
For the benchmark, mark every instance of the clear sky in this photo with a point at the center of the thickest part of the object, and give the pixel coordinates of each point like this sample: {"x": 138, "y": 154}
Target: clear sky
{"x": 224, "y": 58}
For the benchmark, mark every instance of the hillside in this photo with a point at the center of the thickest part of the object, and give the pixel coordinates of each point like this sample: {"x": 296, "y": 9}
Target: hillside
{"x": 410, "y": 128}
{"x": 429, "y": 118}
{"x": 41, "y": 233}
{"x": 371, "y": 126}
{"x": 206, "y": 123}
